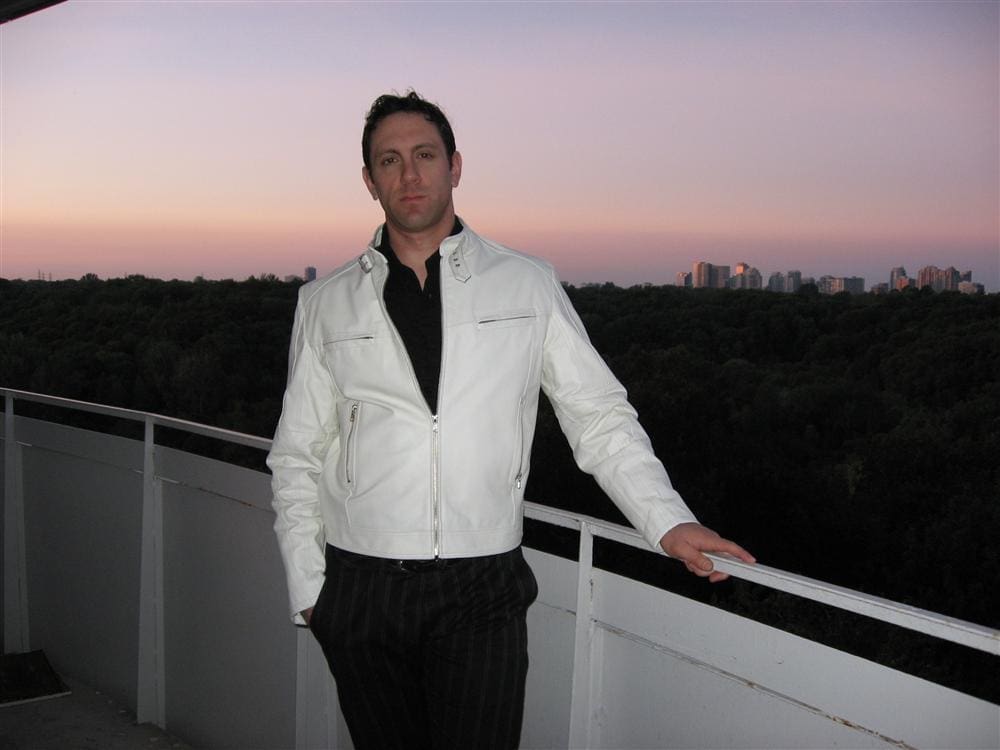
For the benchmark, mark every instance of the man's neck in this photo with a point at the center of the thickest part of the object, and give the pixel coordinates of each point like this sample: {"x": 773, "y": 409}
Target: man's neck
{"x": 414, "y": 248}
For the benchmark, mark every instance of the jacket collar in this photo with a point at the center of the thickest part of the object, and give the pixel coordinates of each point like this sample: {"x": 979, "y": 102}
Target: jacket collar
{"x": 454, "y": 248}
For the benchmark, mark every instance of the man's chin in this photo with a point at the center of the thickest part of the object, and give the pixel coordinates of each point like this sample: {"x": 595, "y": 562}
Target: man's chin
{"x": 416, "y": 223}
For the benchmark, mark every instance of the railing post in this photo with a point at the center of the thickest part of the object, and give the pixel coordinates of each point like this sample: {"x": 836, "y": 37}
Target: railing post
{"x": 151, "y": 692}
{"x": 15, "y": 577}
{"x": 303, "y": 700}
{"x": 581, "y": 700}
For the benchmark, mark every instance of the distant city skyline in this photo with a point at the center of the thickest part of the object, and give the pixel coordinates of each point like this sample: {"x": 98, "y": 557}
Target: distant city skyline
{"x": 708, "y": 277}
{"x": 619, "y": 141}
{"x": 310, "y": 274}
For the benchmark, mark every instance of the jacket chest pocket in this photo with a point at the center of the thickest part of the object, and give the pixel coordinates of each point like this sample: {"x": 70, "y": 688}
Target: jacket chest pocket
{"x": 507, "y": 340}
{"x": 337, "y": 341}
{"x": 505, "y": 319}
{"x": 348, "y": 354}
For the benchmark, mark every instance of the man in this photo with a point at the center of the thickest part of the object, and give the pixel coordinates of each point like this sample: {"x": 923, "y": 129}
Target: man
{"x": 402, "y": 451}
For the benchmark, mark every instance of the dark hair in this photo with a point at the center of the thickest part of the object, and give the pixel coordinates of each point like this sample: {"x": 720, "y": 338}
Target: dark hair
{"x": 390, "y": 104}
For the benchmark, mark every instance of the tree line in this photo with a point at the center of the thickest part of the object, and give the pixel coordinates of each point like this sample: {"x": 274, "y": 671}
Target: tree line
{"x": 853, "y": 439}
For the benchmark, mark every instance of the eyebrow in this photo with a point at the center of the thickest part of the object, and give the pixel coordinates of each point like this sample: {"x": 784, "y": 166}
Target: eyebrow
{"x": 418, "y": 147}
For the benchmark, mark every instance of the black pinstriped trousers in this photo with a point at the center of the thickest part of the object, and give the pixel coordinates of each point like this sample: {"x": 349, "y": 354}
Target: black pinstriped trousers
{"x": 427, "y": 654}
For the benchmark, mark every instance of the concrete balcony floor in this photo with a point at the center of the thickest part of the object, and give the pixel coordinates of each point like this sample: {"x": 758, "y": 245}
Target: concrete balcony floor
{"x": 86, "y": 719}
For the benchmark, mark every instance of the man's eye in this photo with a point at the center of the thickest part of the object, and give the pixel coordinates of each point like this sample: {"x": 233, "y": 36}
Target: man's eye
{"x": 388, "y": 160}
{"x": 426, "y": 155}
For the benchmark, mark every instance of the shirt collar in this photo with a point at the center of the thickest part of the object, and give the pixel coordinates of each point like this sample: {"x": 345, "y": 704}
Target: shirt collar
{"x": 385, "y": 247}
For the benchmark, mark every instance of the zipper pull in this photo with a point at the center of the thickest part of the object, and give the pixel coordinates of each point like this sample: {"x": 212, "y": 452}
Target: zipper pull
{"x": 517, "y": 481}
{"x": 354, "y": 411}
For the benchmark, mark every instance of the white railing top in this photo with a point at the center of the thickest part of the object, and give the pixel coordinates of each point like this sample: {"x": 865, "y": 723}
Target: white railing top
{"x": 913, "y": 618}
{"x": 218, "y": 433}
{"x": 904, "y": 615}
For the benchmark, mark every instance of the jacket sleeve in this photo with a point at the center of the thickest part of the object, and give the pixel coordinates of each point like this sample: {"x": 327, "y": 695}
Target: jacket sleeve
{"x": 602, "y": 428}
{"x": 307, "y": 433}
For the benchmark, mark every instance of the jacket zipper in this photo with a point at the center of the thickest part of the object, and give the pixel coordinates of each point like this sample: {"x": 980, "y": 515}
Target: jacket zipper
{"x": 350, "y": 441}
{"x": 435, "y": 433}
{"x": 520, "y": 444}
{"x": 436, "y": 426}
{"x": 435, "y": 484}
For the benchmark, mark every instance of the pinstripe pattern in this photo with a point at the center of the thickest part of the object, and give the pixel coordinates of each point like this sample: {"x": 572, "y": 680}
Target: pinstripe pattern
{"x": 435, "y": 658}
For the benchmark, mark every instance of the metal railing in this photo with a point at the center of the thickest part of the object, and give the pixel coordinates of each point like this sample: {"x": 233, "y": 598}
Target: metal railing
{"x": 151, "y": 691}
{"x": 913, "y": 618}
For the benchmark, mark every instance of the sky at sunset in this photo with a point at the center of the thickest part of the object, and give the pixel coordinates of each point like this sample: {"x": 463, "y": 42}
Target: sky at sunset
{"x": 620, "y": 141}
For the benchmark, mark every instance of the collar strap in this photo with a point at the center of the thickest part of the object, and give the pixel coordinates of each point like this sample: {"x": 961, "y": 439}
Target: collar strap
{"x": 456, "y": 261}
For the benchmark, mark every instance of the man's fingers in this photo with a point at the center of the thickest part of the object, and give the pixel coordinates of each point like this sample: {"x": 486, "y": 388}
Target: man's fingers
{"x": 716, "y": 543}
{"x": 696, "y": 562}
{"x": 732, "y": 548}
{"x": 688, "y": 541}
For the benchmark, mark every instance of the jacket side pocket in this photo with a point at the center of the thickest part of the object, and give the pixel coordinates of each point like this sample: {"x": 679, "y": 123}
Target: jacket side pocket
{"x": 350, "y": 450}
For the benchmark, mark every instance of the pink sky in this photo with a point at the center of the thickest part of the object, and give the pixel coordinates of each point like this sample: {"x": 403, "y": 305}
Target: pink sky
{"x": 619, "y": 141}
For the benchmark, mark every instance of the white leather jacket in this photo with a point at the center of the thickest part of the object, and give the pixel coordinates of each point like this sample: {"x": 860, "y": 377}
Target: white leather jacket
{"x": 358, "y": 459}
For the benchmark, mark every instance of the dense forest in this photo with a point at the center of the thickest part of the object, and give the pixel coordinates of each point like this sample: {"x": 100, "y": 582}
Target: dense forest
{"x": 854, "y": 439}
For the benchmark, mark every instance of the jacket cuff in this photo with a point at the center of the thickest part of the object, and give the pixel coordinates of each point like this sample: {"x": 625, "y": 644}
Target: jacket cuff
{"x": 654, "y": 532}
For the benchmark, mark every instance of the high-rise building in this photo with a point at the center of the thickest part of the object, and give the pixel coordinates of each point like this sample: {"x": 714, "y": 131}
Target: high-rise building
{"x": 854, "y": 284}
{"x": 720, "y": 276}
{"x": 939, "y": 280}
{"x": 895, "y": 275}
{"x": 837, "y": 284}
{"x": 683, "y": 279}
{"x": 704, "y": 274}
{"x": 926, "y": 275}
{"x": 747, "y": 277}
{"x": 310, "y": 273}
{"x": 776, "y": 282}
{"x": 701, "y": 274}
{"x": 793, "y": 281}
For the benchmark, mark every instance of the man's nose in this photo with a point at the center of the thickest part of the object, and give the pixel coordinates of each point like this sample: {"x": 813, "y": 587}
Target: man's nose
{"x": 410, "y": 173}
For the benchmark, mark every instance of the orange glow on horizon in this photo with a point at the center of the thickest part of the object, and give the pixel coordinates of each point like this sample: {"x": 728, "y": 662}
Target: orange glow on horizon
{"x": 157, "y": 136}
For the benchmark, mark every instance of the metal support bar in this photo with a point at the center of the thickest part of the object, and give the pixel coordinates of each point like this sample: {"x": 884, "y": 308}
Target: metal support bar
{"x": 16, "y": 633}
{"x": 581, "y": 699}
{"x": 151, "y": 691}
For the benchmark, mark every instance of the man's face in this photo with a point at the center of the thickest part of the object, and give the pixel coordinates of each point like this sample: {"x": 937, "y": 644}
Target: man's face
{"x": 410, "y": 174}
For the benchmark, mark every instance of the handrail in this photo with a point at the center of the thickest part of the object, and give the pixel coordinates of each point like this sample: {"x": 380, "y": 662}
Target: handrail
{"x": 121, "y": 412}
{"x": 913, "y": 618}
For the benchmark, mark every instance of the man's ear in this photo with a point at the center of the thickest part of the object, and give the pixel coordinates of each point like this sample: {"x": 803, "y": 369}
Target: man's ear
{"x": 456, "y": 169}
{"x": 369, "y": 183}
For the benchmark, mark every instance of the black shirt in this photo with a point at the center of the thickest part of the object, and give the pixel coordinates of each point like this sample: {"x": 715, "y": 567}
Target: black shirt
{"x": 416, "y": 313}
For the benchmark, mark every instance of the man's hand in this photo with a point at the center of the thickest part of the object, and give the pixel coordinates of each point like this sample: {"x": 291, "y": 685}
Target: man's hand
{"x": 308, "y": 613}
{"x": 687, "y": 541}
